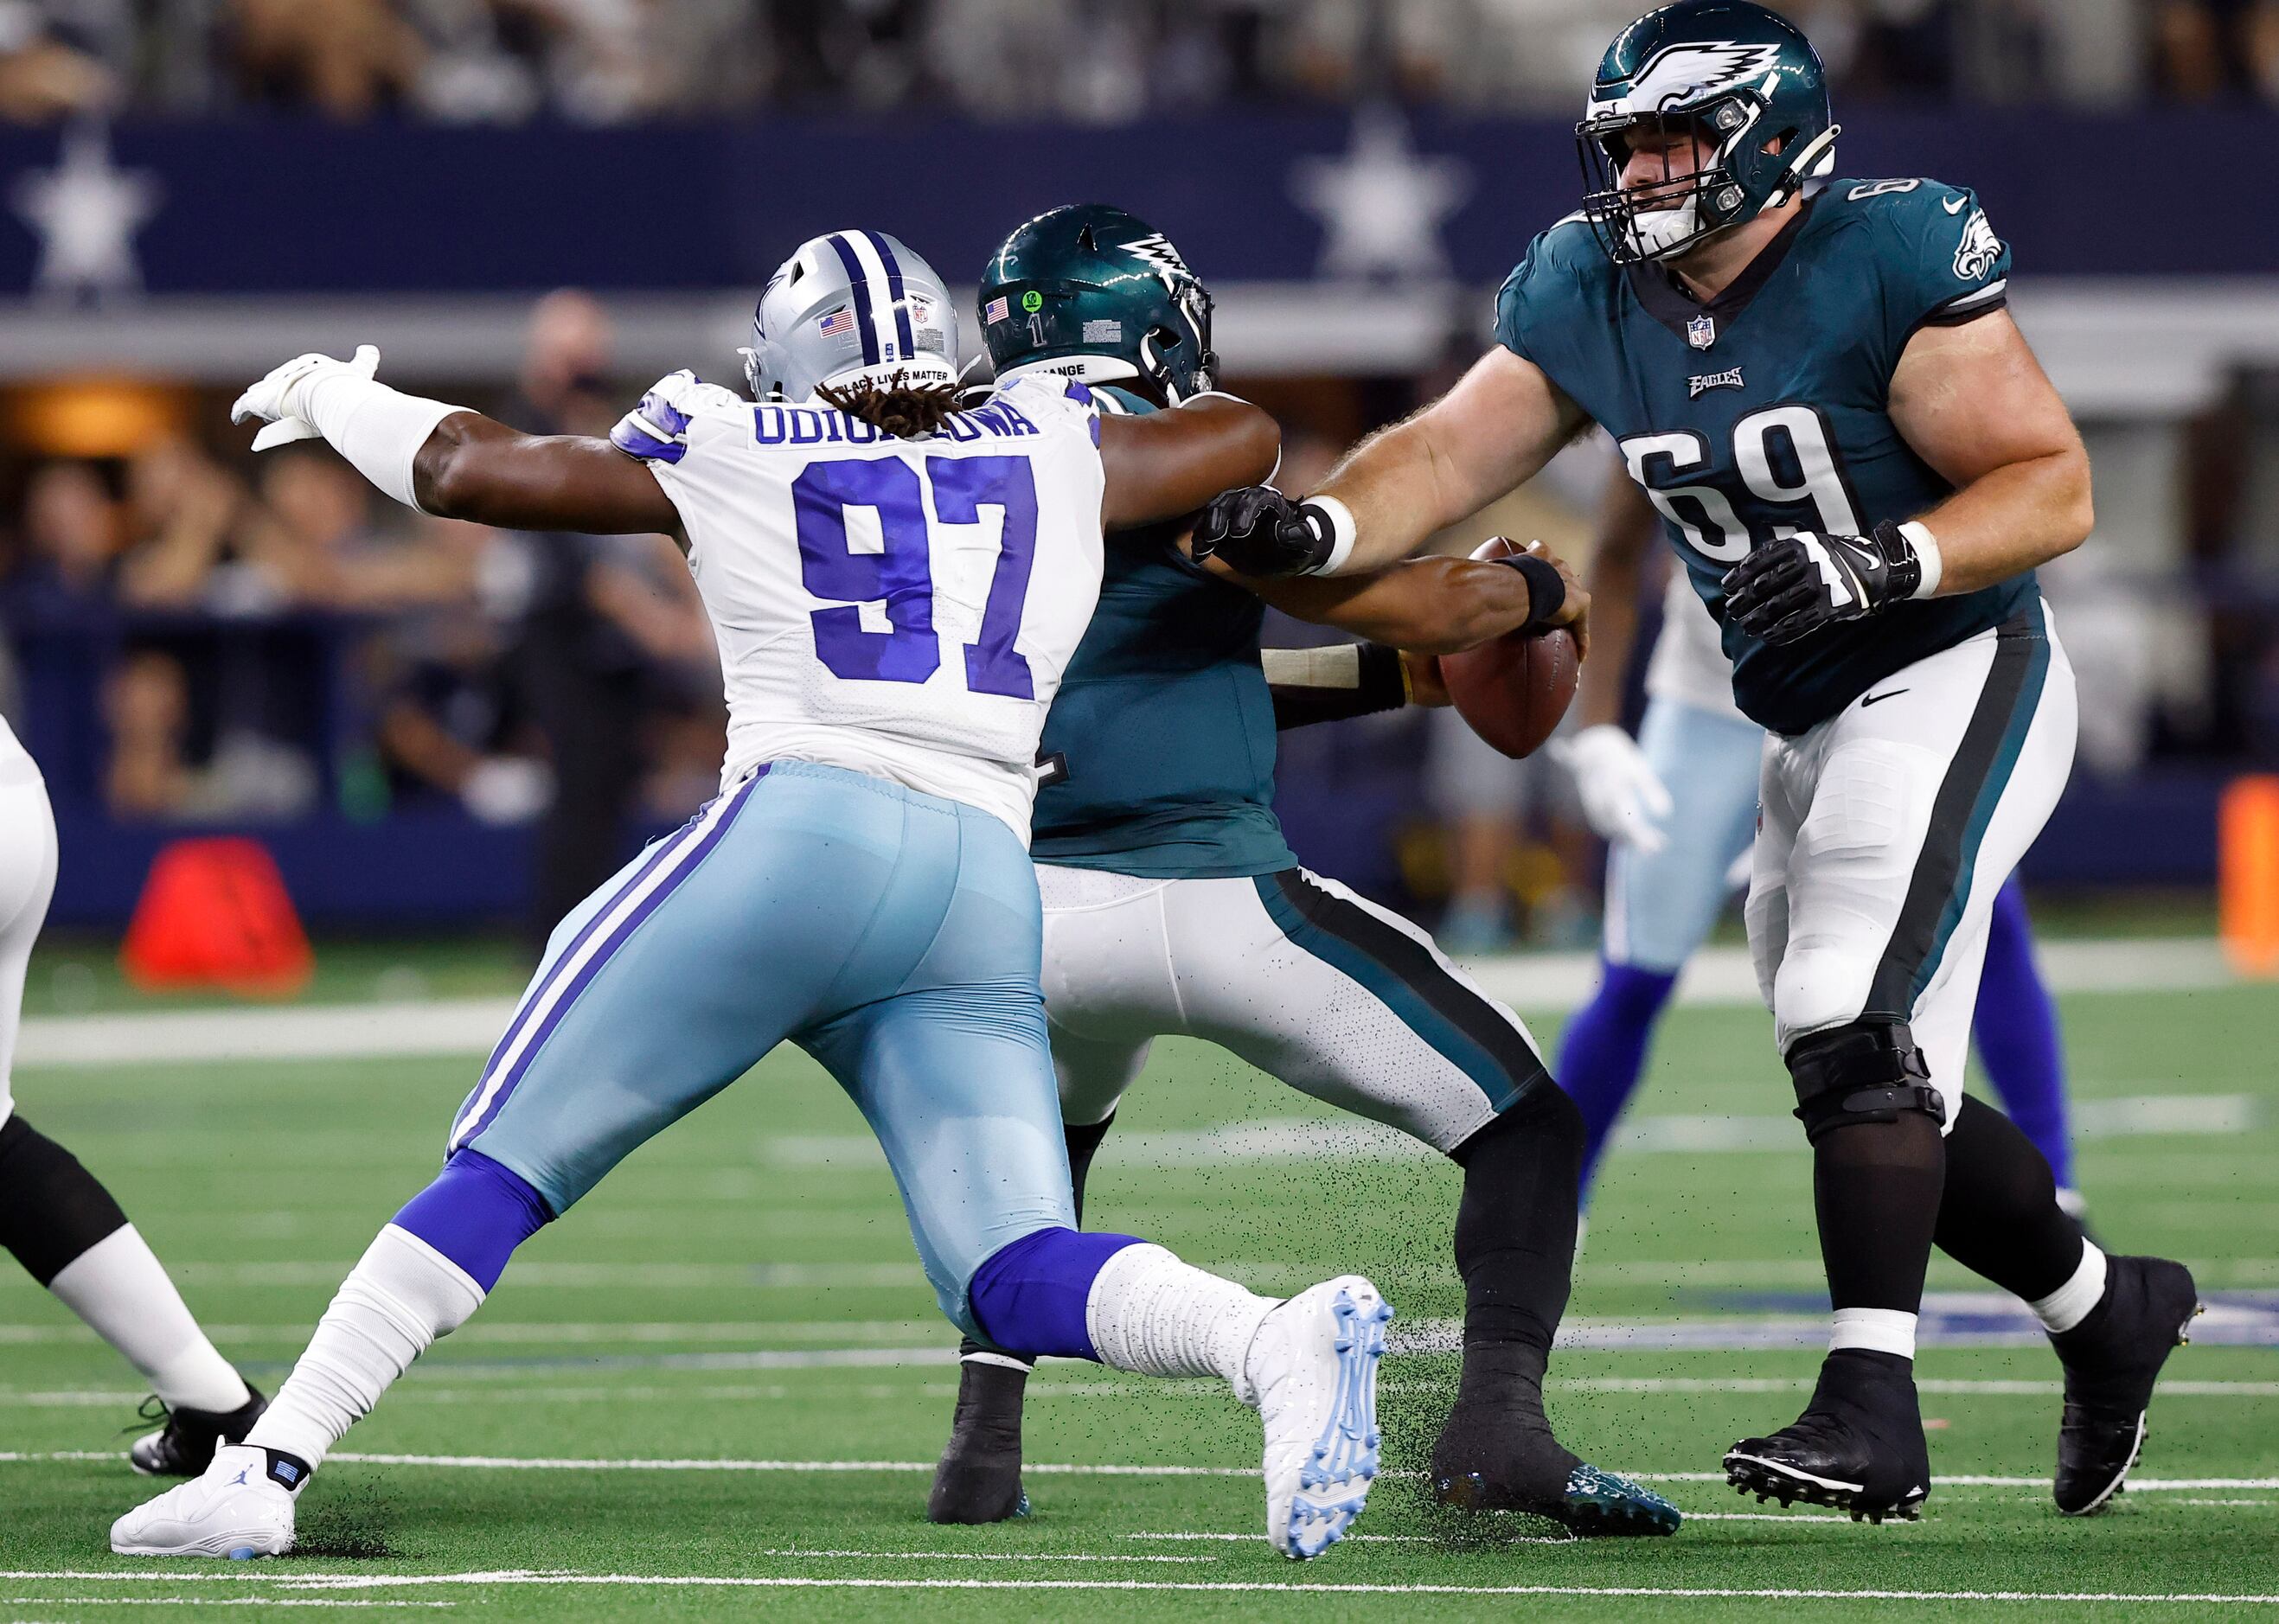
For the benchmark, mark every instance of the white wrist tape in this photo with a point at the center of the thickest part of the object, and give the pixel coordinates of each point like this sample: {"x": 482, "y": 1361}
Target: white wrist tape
{"x": 1343, "y": 533}
{"x": 1926, "y": 546}
{"x": 379, "y": 430}
{"x": 1337, "y": 666}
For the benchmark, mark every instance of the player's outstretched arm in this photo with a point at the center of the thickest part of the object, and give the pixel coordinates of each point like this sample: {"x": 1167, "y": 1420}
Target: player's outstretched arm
{"x": 1975, "y": 403}
{"x": 446, "y": 460}
{"x": 1494, "y": 430}
{"x": 1427, "y": 606}
{"x": 1165, "y": 464}
{"x": 473, "y": 467}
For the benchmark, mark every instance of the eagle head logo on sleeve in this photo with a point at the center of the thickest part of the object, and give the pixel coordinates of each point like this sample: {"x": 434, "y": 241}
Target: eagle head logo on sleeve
{"x": 1980, "y": 248}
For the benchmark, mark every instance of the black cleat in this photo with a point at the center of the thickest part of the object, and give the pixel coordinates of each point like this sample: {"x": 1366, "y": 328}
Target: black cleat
{"x": 2111, "y": 1359}
{"x": 1858, "y": 1446}
{"x": 1497, "y": 1453}
{"x": 980, "y": 1477}
{"x": 185, "y": 1445}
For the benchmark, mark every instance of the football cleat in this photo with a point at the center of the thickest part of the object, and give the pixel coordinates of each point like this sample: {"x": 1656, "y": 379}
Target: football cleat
{"x": 980, "y": 1477}
{"x": 2111, "y": 1359}
{"x": 1497, "y": 1453}
{"x": 1312, "y": 1371}
{"x": 1859, "y": 1445}
{"x": 185, "y": 1445}
{"x": 1593, "y": 1504}
{"x": 239, "y": 1507}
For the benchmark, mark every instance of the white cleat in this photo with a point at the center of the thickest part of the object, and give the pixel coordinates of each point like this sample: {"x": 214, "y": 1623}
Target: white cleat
{"x": 235, "y": 1510}
{"x": 1313, "y": 1368}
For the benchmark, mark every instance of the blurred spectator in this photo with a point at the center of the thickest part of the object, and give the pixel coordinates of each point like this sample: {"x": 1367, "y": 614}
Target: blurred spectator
{"x": 71, "y": 543}
{"x": 345, "y": 58}
{"x": 183, "y": 512}
{"x": 147, "y": 704}
{"x": 2206, "y": 49}
{"x": 44, "y": 72}
{"x": 318, "y": 548}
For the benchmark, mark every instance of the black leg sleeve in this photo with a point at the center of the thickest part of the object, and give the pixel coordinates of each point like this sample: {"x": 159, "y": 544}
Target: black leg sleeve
{"x": 1875, "y": 1190}
{"x": 1516, "y": 1225}
{"x": 1999, "y": 1216}
{"x": 51, "y": 1208}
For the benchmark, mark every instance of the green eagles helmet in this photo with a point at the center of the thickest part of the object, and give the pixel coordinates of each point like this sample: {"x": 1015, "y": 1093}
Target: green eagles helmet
{"x": 1742, "y": 78}
{"x": 1098, "y": 294}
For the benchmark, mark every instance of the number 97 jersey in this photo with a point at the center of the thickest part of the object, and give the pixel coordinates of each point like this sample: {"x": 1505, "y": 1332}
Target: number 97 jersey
{"x": 902, "y": 608}
{"x": 1764, "y": 411}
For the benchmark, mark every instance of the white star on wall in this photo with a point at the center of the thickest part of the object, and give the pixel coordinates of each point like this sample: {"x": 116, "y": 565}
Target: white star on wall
{"x": 87, "y": 211}
{"x": 1381, "y": 205}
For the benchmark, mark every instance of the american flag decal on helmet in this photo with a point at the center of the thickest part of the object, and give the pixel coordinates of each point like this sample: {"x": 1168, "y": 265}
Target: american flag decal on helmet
{"x": 840, "y": 320}
{"x": 995, "y": 309}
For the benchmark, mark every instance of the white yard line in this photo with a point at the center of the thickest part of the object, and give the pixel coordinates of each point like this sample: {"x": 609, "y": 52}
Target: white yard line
{"x": 563, "y": 1463}
{"x": 667, "y": 1582}
{"x": 471, "y": 1026}
{"x": 202, "y": 1601}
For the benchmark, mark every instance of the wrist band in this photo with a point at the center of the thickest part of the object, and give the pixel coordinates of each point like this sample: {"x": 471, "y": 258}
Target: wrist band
{"x": 378, "y": 429}
{"x": 1926, "y": 546}
{"x": 1546, "y": 589}
{"x": 1335, "y": 518}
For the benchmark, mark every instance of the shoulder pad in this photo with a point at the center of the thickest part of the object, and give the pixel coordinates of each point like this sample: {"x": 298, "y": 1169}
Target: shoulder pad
{"x": 656, "y": 430}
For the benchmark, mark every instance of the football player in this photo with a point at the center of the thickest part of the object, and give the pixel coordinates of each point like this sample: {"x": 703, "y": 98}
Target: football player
{"x": 896, "y": 587}
{"x": 57, "y": 1219}
{"x": 1173, "y": 905}
{"x": 1678, "y": 806}
{"x": 1859, "y": 463}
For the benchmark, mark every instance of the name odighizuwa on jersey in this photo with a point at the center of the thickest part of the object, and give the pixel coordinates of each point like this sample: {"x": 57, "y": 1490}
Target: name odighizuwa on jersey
{"x": 904, "y": 607}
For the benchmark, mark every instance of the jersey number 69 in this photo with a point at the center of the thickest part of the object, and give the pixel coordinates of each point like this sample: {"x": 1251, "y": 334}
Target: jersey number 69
{"x": 1706, "y": 520}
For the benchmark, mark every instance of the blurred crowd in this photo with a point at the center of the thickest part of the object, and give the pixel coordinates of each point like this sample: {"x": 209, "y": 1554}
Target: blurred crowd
{"x": 612, "y": 61}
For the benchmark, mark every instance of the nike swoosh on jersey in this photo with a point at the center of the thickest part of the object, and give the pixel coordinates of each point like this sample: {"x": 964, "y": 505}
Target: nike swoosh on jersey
{"x": 1955, "y": 205}
{"x": 1877, "y": 699}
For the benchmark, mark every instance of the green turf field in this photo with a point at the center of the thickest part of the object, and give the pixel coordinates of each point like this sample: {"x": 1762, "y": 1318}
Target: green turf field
{"x": 713, "y": 1388}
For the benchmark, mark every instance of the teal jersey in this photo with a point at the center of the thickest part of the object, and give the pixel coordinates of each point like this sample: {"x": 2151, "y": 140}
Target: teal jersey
{"x": 1764, "y": 413}
{"x": 1158, "y": 752}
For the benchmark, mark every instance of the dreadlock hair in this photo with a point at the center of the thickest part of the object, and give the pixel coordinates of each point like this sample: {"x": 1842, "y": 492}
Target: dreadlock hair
{"x": 904, "y": 409}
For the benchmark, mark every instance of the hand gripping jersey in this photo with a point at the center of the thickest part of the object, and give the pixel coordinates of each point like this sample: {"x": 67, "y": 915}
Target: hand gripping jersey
{"x": 1159, "y": 754}
{"x": 1763, "y": 412}
{"x": 904, "y": 607}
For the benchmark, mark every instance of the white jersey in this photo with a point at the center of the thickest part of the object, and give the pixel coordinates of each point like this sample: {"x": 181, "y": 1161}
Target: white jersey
{"x": 1688, "y": 663}
{"x": 902, "y": 608}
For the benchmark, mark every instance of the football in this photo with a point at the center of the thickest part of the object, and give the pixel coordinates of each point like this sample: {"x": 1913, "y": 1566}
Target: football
{"x": 1513, "y": 689}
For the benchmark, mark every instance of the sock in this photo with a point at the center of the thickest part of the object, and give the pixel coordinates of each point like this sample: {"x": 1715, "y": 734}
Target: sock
{"x": 120, "y": 1288}
{"x": 1083, "y": 1144}
{"x": 475, "y": 1212}
{"x": 2016, "y": 1031}
{"x": 2069, "y": 1304}
{"x": 1999, "y": 1216}
{"x": 1149, "y": 1313}
{"x": 1516, "y": 1226}
{"x": 1602, "y": 1052}
{"x": 1875, "y": 1190}
{"x": 1028, "y": 1295}
{"x": 402, "y": 1295}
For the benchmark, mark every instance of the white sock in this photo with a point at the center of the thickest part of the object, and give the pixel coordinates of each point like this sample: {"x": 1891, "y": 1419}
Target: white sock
{"x": 2069, "y": 1304}
{"x": 1151, "y": 1313}
{"x": 1879, "y": 1331}
{"x": 118, "y": 1286}
{"x": 402, "y": 1295}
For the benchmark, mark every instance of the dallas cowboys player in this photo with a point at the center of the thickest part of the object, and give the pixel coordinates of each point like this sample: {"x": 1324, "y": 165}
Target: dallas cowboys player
{"x": 1678, "y": 806}
{"x": 896, "y": 587}
{"x": 1860, "y": 463}
{"x": 1173, "y": 905}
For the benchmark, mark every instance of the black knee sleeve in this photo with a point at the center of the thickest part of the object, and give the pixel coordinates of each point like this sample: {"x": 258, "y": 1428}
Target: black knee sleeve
{"x": 1866, "y": 1072}
{"x": 1516, "y": 1225}
{"x": 51, "y": 1208}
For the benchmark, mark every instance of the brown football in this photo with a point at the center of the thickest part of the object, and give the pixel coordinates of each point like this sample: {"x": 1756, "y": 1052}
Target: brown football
{"x": 1513, "y": 689}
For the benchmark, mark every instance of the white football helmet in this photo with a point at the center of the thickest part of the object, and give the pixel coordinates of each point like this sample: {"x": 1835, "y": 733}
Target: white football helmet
{"x": 850, "y": 305}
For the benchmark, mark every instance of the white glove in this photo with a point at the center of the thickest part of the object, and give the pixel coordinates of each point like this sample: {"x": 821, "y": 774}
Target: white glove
{"x": 1623, "y": 798}
{"x": 507, "y": 789}
{"x": 277, "y": 399}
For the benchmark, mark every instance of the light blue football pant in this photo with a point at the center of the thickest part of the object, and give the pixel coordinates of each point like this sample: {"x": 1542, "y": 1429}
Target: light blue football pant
{"x": 894, "y": 936}
{"x": 1661, "y": 904}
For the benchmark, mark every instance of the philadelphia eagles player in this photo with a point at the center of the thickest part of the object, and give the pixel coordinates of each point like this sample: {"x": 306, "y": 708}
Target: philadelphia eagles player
{"x": 1172, "y": 904}
{"x": 1859, "y": 463}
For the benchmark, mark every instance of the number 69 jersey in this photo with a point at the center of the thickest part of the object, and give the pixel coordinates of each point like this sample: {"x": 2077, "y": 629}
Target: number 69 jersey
{"x": 1764, "y": 413}
{"x": 902, "y": 608}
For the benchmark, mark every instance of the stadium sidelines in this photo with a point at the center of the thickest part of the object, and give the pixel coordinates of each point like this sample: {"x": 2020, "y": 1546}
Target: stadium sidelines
{"x": 471, "y": 1026}
{"x": 526, "y": 1577}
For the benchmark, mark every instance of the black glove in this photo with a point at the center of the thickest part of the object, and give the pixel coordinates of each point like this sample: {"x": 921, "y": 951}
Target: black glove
{"x": 1258, "y": 531}
{"x": 1791, "y": 588}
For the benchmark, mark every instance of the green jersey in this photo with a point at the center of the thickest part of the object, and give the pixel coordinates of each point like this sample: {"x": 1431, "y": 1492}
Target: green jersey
{"x": 1158, "y": 752}
{"x": 1763, "y": 412}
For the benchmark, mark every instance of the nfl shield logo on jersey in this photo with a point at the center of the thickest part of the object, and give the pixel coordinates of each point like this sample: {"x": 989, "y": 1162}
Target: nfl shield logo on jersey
{"x": 1701, "y": 332}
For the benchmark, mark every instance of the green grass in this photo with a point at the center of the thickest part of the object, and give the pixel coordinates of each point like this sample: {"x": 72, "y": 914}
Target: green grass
{"x": 259, "y": 1183}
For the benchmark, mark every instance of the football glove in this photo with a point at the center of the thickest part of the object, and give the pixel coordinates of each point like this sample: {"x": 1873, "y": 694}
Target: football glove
{"x": 1791, "y": 588}
{"x": 1258, "y": 531}
{"x": 275, "y": 399}
{"x": 1624, "y": 799}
